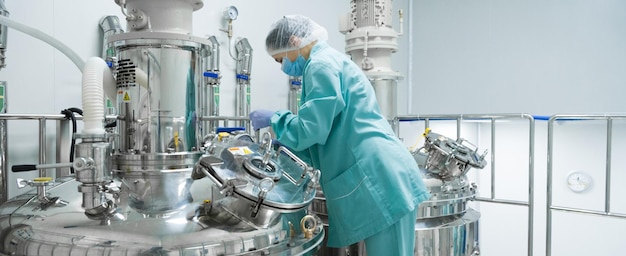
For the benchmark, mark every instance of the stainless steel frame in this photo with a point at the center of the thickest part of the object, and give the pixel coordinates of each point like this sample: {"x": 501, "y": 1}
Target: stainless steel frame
{"x": 42, "y": 127}
{"x": 550, "y": 207}
{"x": 4, "y": 151}
{"x": 493, "y": 118}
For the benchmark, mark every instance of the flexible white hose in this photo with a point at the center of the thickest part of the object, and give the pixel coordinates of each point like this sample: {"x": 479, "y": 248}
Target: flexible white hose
{"x": 95, "y": 75}
{"x": 46, "y": 38}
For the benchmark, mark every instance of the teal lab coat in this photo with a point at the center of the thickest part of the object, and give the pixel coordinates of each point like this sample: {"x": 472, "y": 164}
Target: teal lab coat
{"x": 369, "y": 178}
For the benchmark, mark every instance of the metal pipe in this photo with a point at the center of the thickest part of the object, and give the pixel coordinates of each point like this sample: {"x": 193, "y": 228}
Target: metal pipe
{"x": 607, "y": 181}
{"x": 591, "y": 212}
{"x": 52, "y": 166}
{"x": 31, "y": 117}
{"x": 4, "y": 151}
{"x": 52, "y": 117}
{"x": 63, "y": 145}
{"x": 531, "y": 183}
{"x": 110, "y": 25}
{"x": 549, "y": 187}
{"x": 225, "y": 118}
{"x": 3, "y": 35}
{"x": 42, "y": 145}
{"x": 410, "y": 59}
{"x": 243, "y": 72}
{"x": 493, "y": 158}
{"x": 458, "y": 127}
{"x": 502, "y": 201}
{"x": 213, "y": 78}
{"x": 295, "y": 88}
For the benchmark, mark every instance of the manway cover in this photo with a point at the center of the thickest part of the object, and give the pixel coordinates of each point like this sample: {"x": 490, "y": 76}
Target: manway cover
{"x": 286, "y": 185}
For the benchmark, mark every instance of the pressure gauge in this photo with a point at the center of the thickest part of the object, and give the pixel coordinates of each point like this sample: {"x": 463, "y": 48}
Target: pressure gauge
{"x": 578, "y": 181}
{"x": 232, "y": 12}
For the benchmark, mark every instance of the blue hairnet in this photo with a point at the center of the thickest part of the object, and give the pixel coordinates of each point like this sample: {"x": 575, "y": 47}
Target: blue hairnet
{"x": 284, "y": 31}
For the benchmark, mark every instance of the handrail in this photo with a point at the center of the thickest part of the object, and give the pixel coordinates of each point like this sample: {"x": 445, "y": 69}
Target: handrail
{"x": 607, "y": 182}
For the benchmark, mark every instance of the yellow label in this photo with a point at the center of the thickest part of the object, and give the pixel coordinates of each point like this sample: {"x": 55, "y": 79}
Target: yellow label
{"x": 240, "y": 151}
{"x": 126, "y": 97}
{"x": 222, "y": 135}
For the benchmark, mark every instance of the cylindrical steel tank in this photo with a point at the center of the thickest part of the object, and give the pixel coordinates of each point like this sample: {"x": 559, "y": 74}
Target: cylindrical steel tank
{"x": 159, "y": 70}
{"x": 237, "y": 206}
{"x": 158, "y": 77}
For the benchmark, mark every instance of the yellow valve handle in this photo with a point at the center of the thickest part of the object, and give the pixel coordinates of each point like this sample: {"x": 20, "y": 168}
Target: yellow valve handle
{"x": 42, "y": 179}
{"x": 222, "y": 135}
{"x": 426, "y": 132}
{"x": 175, "y": 141}
{"x": 308, "y": 232}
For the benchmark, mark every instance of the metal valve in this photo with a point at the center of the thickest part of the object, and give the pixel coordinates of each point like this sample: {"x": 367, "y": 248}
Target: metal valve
{"x": 40, "y": 183}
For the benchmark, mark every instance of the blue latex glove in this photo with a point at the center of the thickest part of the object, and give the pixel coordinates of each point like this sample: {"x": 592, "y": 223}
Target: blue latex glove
{"x": 261, "y": 118}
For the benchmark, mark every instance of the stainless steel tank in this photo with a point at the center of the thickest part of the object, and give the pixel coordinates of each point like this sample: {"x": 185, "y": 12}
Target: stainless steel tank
{"x": 158, "y": 67}
{"x": 445, "y": 225}
{"x": 244, "y": 199}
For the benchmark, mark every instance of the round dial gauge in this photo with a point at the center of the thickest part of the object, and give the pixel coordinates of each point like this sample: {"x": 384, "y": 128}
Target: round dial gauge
{"x": 578, "y": 181}
{"x": 232, "y": 12}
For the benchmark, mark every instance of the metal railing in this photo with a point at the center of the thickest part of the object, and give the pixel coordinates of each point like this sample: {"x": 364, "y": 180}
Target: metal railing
{"x": 63, "y": 136}
{"x": 42, "y": 127}
{"x": 493, "y": 118}
{"x": 607, "y": 182}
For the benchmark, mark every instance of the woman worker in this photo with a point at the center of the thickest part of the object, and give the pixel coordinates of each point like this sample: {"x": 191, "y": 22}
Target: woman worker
{"x": 370, "y": 180}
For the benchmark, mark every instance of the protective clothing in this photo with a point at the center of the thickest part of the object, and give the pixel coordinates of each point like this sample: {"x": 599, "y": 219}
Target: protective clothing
{"x": 397, "y": 240}
{"x": 293, "y": 32}
{"x": 294, "y": 68}
{"x": 369, "y": 178}
{"x": 260, "y": 118}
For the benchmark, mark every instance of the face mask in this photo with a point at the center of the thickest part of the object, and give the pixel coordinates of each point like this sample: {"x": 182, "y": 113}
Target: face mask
{"x": 295, "y": 68}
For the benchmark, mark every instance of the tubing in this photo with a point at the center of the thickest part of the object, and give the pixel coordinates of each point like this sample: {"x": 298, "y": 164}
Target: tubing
{"x": 46, "y": 38}
{"x": 95, "y": 76}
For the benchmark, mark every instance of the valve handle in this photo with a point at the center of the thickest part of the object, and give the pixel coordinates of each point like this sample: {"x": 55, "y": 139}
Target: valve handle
{"x": 23, "y": 167}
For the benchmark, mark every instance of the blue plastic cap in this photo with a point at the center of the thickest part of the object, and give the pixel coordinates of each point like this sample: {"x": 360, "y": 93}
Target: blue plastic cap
{"x": 211, "y": 74}
{"x": 296, "y": 82}
{"x": 244, "y": 77}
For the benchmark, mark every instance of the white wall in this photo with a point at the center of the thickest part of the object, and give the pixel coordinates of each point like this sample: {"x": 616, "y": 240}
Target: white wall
{"x": 533, "y": 56}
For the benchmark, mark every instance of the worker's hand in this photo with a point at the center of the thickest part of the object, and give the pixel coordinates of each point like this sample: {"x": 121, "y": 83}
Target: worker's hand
{"x": 260, "y": 118}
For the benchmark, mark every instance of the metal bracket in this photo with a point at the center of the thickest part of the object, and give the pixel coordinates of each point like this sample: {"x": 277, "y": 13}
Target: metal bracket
{"x": 229, "y": 186}
{"x": 265, "y": 185}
